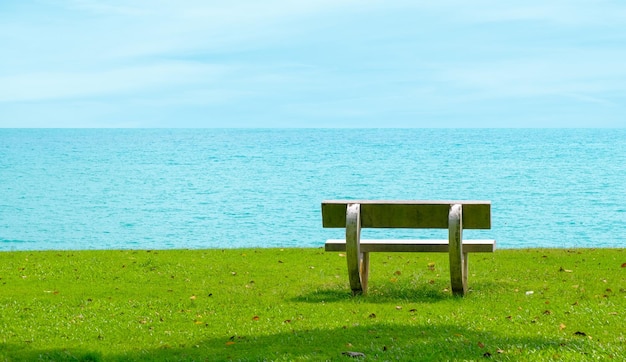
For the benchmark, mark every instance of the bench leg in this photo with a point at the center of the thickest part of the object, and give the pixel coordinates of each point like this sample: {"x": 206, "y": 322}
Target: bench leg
{"x": 458, "y": 259}
{"x": 365, "y": 270}
{"x": 356, "y": 259}
{"x": 465, "y": 268}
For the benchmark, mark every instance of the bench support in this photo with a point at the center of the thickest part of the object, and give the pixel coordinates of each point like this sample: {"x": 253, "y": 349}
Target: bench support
{"x": 358, "y": 262}
{"x": 458, "y": 257}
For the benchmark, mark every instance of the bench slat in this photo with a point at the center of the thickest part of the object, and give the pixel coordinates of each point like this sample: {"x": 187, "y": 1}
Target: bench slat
{"x": 435, "y": 246}
{"x": 407, "y": 214}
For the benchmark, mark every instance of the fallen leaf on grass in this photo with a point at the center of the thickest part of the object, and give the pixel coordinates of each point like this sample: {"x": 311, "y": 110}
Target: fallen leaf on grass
{"x": 562, "y": 326}
{"x": 353, "y": 354}
{"x": 255, "y": 318}
{"x": 624, "y": 265}
{"x": 481, "y": 345}
{"x": 230, "y": 343}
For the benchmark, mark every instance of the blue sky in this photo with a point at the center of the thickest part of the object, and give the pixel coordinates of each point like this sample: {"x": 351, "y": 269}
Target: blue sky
{"x": 335, "y": 63}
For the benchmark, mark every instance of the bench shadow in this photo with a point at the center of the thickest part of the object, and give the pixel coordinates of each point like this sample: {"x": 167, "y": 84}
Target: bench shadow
{"x": 387, "y": 292}
{"x": 385, "y": 341}
{"x": 381, "y": 294}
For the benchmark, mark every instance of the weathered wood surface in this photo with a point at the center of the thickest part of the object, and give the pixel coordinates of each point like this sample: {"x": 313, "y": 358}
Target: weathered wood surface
{"x": 414, "y": 214}
{"x": 408, "y": 245}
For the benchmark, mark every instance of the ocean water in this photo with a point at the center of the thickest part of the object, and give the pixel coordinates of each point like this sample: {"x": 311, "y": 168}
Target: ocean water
{"x": 227, "y": 188}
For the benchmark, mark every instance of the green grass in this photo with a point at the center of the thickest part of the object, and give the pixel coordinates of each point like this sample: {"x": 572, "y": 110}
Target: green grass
{"x": 295, "y": 304}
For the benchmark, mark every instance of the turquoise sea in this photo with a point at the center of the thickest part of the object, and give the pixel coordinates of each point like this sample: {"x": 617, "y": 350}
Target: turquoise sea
{"x": 226, "y": 188}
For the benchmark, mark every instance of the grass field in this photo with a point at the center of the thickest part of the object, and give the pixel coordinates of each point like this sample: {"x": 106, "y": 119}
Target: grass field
{"x": 295, "y": 304}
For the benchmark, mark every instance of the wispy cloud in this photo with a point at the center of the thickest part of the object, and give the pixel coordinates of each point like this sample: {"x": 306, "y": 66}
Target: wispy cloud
{"x": 61, "y": 85}
{"x": 569, "y": 72}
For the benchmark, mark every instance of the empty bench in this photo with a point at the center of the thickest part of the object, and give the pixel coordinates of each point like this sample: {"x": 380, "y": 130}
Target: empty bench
{"x": 353, "y": 215}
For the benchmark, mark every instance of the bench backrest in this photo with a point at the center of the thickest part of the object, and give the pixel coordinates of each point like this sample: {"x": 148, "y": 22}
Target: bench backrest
{"x": 413, "y": 214}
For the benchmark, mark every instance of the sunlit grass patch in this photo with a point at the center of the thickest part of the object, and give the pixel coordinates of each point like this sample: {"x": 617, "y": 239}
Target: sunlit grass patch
{"x": 295, "y": 304}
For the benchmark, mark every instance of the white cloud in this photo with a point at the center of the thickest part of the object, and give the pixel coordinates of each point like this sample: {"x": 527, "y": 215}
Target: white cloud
{"x": 110, "y": 7}
{"x": 62, "y": 85}
{"x": 569, "y": 13}
{"x": 568, "y": 72}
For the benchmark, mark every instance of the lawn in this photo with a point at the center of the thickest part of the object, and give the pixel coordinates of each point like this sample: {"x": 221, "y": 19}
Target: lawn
{"x": 295, "y": 304}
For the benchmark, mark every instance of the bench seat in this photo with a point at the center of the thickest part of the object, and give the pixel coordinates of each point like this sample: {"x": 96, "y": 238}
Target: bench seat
{"x": 433, "y": 246}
